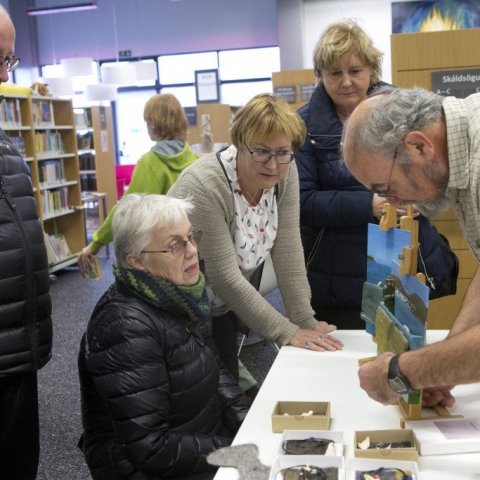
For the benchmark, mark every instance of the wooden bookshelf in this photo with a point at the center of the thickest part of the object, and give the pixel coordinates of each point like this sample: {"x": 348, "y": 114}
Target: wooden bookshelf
{"x": 43, "y": 130}
{"x": 96, "y": 151}
{"x": 295, "y": 86}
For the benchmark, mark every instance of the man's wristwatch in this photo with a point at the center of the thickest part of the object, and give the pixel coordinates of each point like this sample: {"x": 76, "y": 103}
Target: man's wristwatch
{"x": 396, "y": 380}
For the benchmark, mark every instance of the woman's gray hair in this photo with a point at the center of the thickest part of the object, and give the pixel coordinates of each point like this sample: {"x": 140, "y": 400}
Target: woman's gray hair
{"x": 137, "y": 216}
{"x": 396, "y": 112}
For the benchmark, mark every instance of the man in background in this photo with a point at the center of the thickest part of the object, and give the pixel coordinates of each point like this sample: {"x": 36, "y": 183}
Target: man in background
{"x": 25, "y": 305}
{"x": 413, "y": 146}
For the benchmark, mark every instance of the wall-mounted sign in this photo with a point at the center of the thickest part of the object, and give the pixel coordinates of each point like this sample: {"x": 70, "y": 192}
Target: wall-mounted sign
{"x": 288, "y": 93}
{"x": 207, "y": 87}
{"x": 191, "y": 114}
{"x": 306, "y": 91}
{"x": 456, "y": 83}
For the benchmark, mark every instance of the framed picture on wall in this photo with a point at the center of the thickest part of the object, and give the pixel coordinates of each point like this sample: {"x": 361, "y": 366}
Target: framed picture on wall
{"x": 207, "y": 86}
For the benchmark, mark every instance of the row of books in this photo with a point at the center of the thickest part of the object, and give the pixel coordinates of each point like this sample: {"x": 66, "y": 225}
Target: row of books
{"x": 88, "y": 182}
{"x": 83, "y": 118}
{"x": 57, "y": 248}
{"x": 49, "y": 141}
{"x": 85, "y": 141}
{"x": 51, "y": 172}
{"x": 54, "y": 200}
{"x": 10, "y": 113}
{"x": 42, "y": 113}
{"x": 19, "y": 143}
{"x": 87, "y": 161}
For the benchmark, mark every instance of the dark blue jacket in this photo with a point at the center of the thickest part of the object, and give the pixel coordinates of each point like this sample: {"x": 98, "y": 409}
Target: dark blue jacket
{"x": 335, "y": 212}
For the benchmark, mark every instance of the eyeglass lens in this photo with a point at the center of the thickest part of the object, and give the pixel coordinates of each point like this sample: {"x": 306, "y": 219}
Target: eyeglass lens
{"x": 180, "y": 247}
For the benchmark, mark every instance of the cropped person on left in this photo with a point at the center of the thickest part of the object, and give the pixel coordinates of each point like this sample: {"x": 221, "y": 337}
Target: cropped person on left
{"x": 155, "y": 397}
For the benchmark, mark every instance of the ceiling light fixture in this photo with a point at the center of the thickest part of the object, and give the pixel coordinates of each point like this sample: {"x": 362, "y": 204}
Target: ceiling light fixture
{"x": 77, "y": 7}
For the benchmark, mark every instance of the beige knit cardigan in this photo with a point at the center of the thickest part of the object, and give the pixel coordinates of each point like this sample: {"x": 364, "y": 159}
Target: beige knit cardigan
{"x": 204, "y": 183}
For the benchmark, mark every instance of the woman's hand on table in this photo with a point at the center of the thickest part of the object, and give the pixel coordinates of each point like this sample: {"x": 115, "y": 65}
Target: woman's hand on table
{"x": 317, "y": 339}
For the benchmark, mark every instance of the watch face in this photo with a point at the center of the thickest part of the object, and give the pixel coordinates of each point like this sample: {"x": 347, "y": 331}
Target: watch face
{"x": 397, "y": 385}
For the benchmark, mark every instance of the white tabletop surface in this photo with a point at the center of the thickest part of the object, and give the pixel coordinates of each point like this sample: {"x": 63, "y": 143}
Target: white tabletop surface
{"x": 304, "y": 375}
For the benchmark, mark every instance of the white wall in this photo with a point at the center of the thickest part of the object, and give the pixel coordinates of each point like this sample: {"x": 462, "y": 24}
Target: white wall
{"x": 374, "y": 16}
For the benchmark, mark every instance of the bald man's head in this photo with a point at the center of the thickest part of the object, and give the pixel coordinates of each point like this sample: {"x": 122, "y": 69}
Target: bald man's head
{"x": 7, "y": 41}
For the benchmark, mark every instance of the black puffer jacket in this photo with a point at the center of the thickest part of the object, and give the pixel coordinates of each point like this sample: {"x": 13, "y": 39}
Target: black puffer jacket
{"x": 154, "y": 399}
{"x": 335, "y": 210}
{"x": 25, "y": 305}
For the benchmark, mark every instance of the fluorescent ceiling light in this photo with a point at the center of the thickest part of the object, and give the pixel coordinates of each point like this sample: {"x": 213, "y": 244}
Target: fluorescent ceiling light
{"x": 77, "y": 7}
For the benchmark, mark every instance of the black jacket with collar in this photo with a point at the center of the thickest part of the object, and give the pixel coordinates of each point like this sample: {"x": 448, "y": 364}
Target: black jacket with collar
{"x": 335, "y": 210}
{"x": 25, "y": 305}
{"x": 155, "y": 401}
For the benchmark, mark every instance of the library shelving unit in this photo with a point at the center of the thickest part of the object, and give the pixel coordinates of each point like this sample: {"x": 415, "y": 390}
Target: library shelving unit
{"x": 42, "y": 128}
{"x": 96, "y": 153}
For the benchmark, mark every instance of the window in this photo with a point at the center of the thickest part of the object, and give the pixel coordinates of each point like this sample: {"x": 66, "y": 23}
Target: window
{"x": 239, "y": 93}
{"x": 248, "y": 63}
{"x": 177, "y": 69}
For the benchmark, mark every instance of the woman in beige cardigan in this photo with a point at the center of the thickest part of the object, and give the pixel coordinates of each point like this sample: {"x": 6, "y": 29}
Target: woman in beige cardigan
{"x": 246, "y": 201}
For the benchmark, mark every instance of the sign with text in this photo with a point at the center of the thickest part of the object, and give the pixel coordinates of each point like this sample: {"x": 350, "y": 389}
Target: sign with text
{"x": 207, "y": 87}
{"x": 456, "y": 83}
{"x": 288, "y": 93}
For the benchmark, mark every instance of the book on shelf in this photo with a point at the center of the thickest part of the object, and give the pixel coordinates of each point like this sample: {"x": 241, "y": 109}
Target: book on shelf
{"x": 57, "y": 248}
{"x": 51, "y": 172}
{"x": 54, "y": 200}
{"x": 87, "y": 161}
{"x": 49, "y": 141}
{"x": 10, "y": 112}
{"x": 42, "y": 113}
{"x": 85, "y": 141}
{"x": 18, "y": 143}
{"x": 88, "y": 182}
{"x": 83, "y": 118}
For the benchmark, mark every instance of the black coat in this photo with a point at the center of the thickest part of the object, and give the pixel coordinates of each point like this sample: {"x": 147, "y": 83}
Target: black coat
{"x": 25, "y": 305}
{"x": 154, "y": 400}
{"x": 335, "y": 212}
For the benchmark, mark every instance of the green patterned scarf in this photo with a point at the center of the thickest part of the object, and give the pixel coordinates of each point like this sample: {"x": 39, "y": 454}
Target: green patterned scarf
{"x": 192, "y": 300}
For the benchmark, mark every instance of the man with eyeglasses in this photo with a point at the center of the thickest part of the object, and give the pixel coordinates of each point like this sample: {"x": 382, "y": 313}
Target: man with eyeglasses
{"x": 25, "y": 305}
{"x": 437, "y": 163}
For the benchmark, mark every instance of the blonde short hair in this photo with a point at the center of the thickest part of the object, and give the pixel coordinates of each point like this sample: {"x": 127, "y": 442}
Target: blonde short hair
{"x": 264, "y": 117}
{"x": 346, "y": 37}
{"x": 166, "y": 116}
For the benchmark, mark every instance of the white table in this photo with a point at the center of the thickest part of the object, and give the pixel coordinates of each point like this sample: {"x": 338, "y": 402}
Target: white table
{"x": 303, "y": 375}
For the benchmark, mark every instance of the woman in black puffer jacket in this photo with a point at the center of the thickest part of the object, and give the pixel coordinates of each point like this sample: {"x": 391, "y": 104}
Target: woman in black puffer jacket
{"x": 155, "y": 399}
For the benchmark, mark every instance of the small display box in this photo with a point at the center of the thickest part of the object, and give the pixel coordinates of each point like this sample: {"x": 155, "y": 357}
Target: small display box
{"x": 357, "y": 468}
{"x": 332, "y": 467}
{"x": 331, "y": 442}
{"x": 386, "y": 444}
{"x": 300, "y": 416}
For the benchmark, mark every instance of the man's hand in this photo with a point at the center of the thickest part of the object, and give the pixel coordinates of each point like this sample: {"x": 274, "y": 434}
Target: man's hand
{"x": 373, "y": 379}
{"x": 434, "y": 396}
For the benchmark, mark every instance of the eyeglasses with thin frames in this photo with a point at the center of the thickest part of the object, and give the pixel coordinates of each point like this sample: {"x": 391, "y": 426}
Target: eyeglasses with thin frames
{"x": 389, "y": 183}
{"x": 11, "y": 63}
{"x": 261, "y": 155}
{"x": 179, "y": 248}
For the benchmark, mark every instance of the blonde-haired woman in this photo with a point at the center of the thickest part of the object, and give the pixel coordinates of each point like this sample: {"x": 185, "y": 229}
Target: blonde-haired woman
{"x": 246, "y": 201}
{"x": 156, "y": 170}
{"x": 335, "y": 208}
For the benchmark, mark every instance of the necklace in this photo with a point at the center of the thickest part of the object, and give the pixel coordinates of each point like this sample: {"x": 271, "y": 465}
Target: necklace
{"x": 251, "y": 201}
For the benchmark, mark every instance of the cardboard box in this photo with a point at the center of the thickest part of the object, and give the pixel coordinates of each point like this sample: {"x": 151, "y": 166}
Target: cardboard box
{"x": 336, "y": 437}
{"x": 368, "y": 464}
{"x": 285, "y": 461}
{"x": 445, "y": 436}
{"x": 295, "y": 416}
{"x": 387, "y": 437}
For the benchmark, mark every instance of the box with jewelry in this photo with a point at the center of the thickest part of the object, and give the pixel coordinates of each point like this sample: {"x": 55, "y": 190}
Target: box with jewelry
{"x": 396, "y": 444}
{"x": 300, "y": 416}
{"x": 287, "y": 467}
{"x": 311, "y": 442}
{"x": 373, "y": 468}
